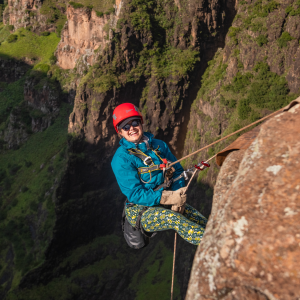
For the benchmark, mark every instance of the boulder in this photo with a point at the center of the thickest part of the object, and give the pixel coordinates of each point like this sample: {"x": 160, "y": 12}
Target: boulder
{"x": 251, "y": 247}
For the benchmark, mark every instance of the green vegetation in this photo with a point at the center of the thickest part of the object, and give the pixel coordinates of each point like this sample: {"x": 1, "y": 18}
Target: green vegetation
{"x": 261, "y": 40}
{"x": 2, "y": 7}
{"x": 12, "y": 38}
{"x": 292, "y": 10}
{"x": 263, "y": 88}
{"x": 45, "y": 33}
{"x": 30, "y": 45}
{"x": 259, "y": 9}
{"x": 10, "y": 97}
{"x": 76, "y": 5}
{"x": 215, "y": 72}
{"x": 155, "y": 270}
{"x": 140, "y": 17}
{"x": 284, "y": 39}
{"x": 100, "y": 6}
{"x": 54, "y": 15}
{"x": 233, "y": 31}
{"x": 239, "y": 82}
{"x": 26, "y": 183}
{"x": 24, "y": 187}
{"x": 99, "y": 14}
{"x": 4, "y": 33}
{"x": 151, "y": 278}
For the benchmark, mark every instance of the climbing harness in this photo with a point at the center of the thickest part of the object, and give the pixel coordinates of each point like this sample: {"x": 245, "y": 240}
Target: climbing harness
{"x": 151, "y": 167}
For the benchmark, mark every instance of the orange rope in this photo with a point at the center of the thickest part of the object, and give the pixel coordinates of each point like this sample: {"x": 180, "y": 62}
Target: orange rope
{"x": 174, "y": 255}
{"x": 227, "y": 136}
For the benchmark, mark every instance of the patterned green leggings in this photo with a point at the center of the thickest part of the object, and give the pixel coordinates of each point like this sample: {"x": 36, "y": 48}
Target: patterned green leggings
{"x": 190, "y": 226}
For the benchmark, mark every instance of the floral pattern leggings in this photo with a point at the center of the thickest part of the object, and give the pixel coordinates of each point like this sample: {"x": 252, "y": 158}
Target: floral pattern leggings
{"x": 190, "y": 226}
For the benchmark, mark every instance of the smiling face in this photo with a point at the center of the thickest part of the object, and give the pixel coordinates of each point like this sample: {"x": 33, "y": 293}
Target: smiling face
{"x": 134, "y": 134}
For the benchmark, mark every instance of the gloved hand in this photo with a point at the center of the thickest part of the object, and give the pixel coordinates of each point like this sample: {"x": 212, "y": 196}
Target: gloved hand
{"x": 179, "y": 209}
{"x": 175, "y": 198}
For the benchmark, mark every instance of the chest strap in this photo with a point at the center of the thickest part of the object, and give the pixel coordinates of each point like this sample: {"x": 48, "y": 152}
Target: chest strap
{"x": 148, "y": 162}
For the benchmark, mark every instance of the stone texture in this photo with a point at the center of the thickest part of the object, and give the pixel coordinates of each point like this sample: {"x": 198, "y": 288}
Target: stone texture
{"x": 25, "y": 13}
{"x": 251, "y": 248}
{"x": 83, "y": 34}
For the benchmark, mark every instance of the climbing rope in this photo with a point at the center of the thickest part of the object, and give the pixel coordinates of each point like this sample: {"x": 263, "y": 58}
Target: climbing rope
{"x": 202, "y": 166}
{"x": 225, "y": 137}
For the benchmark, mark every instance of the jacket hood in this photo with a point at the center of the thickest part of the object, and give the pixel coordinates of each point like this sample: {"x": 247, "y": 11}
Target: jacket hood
{"x": 128, "y": 145}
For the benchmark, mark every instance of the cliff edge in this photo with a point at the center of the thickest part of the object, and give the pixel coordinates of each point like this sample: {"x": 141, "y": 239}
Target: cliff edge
{"x": 251, "y": 247}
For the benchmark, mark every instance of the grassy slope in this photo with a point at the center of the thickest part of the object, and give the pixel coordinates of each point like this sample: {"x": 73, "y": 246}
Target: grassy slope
{"x": 26, "y": 187}
{"x": 29, "y": 45}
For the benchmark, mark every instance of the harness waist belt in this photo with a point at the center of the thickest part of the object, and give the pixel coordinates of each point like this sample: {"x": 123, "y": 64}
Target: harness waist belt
{"x": 143, "y": 170}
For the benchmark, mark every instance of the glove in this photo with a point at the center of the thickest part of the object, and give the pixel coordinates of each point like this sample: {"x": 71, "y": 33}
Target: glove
{"x": 175, "y": 198}
{"x": 179, "y": 209}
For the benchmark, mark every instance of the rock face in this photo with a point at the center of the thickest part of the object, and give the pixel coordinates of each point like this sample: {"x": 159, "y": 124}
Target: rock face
{"x": 251, "y": 248}
{"x": 259, "y": 45}
{"x": 25, "y": 13}
{"x": 12, "y": 70}
{"x": 156, "y": 86}
{"x": 83, "y": 34}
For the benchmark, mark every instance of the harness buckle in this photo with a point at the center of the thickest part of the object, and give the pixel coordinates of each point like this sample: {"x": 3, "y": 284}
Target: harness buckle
{"x": 186, "y": 177}
{"x": 165, "y": 162}
{"x": 147, "y": 161}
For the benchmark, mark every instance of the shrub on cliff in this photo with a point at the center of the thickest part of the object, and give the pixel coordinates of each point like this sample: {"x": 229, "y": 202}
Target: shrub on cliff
{"x": 11, "y": 27}
{"x": 76, "y": 5}
{"x": 45, "y": 33}
{"x": 284, "y": 39}
{"x": 239, "y": 82}
{"x": 99, "y": 14}
{"x": 293, "y": 11}
{"x": 233, "y": 31}
{"x": 59, "y": 29}
{"x": 261, "y": 40}
{"x": 12, "y": 38}
{"x": 52, "y": 59}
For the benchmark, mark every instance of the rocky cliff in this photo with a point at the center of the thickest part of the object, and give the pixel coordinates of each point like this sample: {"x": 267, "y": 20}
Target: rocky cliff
{"x": 85, "y": 33}
{"x": 22, "y": 13}
{"x": 250, "y": 249}
{"x": 157, "y": 55}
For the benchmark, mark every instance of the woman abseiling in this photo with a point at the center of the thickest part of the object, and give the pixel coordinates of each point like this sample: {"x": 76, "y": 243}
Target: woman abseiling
{"x": 136, "y": 167}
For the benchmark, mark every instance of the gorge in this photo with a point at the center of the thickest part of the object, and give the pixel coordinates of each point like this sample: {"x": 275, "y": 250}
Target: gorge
{"x": 197, "y": 69}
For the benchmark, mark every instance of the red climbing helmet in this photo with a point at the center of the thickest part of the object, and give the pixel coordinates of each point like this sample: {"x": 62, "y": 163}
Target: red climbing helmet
{"x": 124, "y": 111}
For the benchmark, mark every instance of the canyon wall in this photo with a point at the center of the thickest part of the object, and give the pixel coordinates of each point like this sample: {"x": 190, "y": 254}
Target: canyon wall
{"x": 26, "y": 13}
{"x": 84, "y": 35}
{"x": 193, "y": 81}
{"x": 255, "y": 73}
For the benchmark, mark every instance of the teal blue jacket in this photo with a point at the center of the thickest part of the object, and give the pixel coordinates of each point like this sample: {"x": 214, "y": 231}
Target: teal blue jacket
{"x": 125, "y": 166}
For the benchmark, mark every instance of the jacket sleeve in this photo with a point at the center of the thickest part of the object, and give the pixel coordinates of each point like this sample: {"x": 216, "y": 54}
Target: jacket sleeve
{"x": 178, "y": 168}
{"x": 131, "y": 185}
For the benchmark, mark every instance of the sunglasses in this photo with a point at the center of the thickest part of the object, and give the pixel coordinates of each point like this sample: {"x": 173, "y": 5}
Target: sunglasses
{"x": 134, "y": 123}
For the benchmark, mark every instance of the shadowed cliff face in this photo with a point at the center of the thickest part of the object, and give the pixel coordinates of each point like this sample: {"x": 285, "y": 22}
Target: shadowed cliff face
{"x": 157, "y": 66}
{"x": 250, "y": 249}
{"x": 159, "y": 61}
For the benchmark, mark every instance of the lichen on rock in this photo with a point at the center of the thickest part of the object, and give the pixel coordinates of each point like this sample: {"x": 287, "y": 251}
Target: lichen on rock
{"x": 252, "y": 233}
